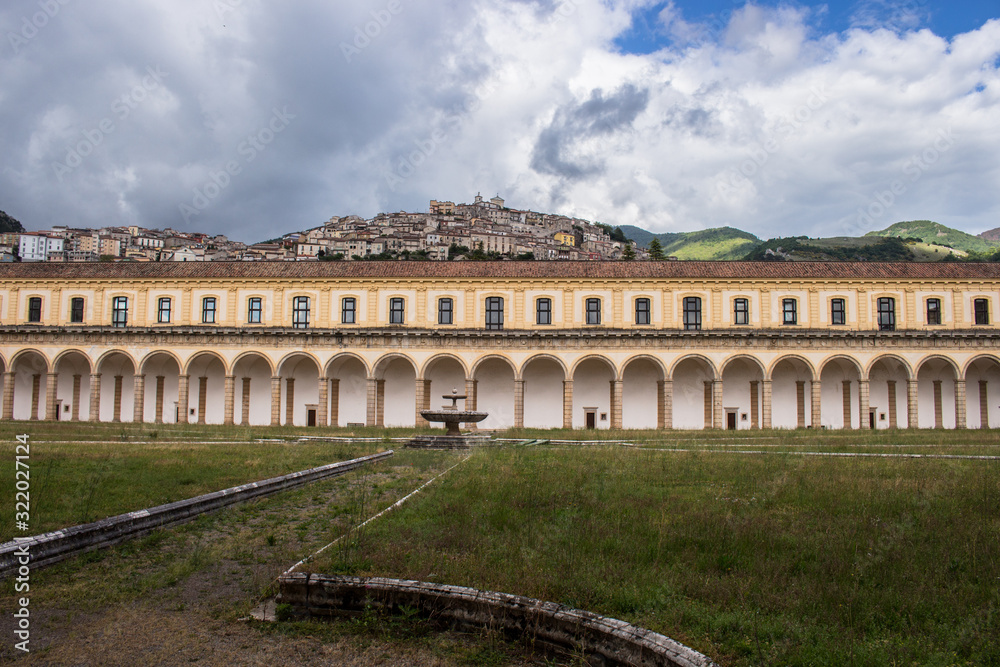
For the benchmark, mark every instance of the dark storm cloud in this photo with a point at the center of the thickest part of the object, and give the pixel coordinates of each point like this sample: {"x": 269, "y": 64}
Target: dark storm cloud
{"x": 599, "y": 116}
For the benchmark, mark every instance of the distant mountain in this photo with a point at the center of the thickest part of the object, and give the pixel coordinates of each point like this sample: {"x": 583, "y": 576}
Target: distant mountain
{"x": 990, "y": 235}
{"x": 707, "y": 244}
{"x": 9, "y": 224}
{"x": 936, "y": 233}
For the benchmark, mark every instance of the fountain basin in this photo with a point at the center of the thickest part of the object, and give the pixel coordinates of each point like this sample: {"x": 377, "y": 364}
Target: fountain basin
{"x": 452, "y": 418}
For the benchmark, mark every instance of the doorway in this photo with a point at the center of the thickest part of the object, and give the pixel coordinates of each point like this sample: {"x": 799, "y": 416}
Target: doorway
{"x": 591, "y": 417}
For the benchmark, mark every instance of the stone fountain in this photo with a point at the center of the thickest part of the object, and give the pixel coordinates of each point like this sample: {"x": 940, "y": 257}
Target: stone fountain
{"x": 452, "y": 417}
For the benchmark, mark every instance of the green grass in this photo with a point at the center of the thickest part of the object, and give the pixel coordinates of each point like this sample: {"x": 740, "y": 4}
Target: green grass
{"x": 776, "y": 559}
{"x": 934, "y": 232}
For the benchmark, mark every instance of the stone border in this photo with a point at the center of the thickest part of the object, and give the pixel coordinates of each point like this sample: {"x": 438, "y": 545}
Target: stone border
{"x": 605, "y": 641}
{"x": 59, "y": 545}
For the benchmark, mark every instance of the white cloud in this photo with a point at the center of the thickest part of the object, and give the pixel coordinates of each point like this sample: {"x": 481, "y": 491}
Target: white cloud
{"x": 761, "y": 124}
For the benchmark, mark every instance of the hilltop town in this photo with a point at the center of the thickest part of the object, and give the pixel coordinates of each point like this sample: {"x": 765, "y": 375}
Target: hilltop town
{"x": 484, "y": 229}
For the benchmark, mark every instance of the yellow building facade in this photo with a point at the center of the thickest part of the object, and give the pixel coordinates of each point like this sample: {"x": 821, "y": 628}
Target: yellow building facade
{"x": 682, "y": 345}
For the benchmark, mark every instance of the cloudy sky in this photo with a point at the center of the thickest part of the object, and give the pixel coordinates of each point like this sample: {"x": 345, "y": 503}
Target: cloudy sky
{"x": 253, "y": 118}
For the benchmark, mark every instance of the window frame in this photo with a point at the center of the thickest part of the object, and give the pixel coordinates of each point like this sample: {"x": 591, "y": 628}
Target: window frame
{"x": 301, "y": 312}
{"x": 206, "y": 311}
{"x": 349, "y": 315}
{"x": 691, "y": 309}
{"x": 643, "y": 311}
{"x": 592, "y": 310}
{"x": 494, "y": 313}
{"x": 737, "y": 312}
{"x": 164, "y": 305}
{"x": 546, "y": 311}
{"x": 397, "y": 310}
{"x": 35, "y": 309}
{"x": 119, "y": 312}
{"x": 76, "y": 314}
{"x": 255, "y": 309}
{"x": 789, "y": 311}
{"x": 935, "y": 310}
{"x": 886, "y": 317}
{"x": 446, "y": 314}
{"x": 981, "y": 312}
{"x": 835, "y": 315}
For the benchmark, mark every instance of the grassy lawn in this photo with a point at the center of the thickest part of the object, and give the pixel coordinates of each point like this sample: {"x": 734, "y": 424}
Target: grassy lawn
{"x": 775, "y": 559}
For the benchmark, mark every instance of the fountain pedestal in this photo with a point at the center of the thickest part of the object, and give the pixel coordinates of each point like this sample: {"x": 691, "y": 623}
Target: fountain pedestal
{"x": 452, "y": 417}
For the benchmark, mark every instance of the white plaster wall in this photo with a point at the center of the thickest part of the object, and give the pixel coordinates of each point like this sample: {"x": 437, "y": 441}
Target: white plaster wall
{"x": 400, "y": 394}
{"x": 353, "y": 397}
{"x": 69, "y": 366}
{"x": 930, "y": 371}
{"x": 592, "y": 389}
{"x": 878, "y": 394}
{"x": 784, "y": 395}
{"x": 496, "y": 393}
{"x": 736, "y": 380}
{"x": 445, "y": 375}
{"x": 215, "y": 400}
{"x": 306, "y": 375}
{"x": 23, "y": 383}
{"x": 639, "y": 391}
{"x": 991, "y": 373}
{"x": 543, "y": 394}
{"x": 689, "y": 394}
{"x": 260, "y": 391}
{"x": 831, "y": 396}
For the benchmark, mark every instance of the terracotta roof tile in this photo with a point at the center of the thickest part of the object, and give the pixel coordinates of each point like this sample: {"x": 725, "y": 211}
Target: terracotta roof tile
{"x": 501, "y": 270}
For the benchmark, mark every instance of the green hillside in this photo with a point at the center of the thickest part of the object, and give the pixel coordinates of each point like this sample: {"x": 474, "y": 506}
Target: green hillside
{"x": 9, "y": 224}
{"x": 838, "y": 249}
{"x": 936, "y": 233}
{"x": 718, "y": 243}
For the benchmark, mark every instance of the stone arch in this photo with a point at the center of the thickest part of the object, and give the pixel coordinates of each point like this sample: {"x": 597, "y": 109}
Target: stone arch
{"x": 495, "y": 382}
{"x": 695, "y": 383}
{"x": 888, "y": 378}
{"x": 840, "y": 377}
{"x": 252, "y": 373}
{"x": 31, "y": 379}
{"x": 642, "y": 379}
{"x": 795, "y": 358}
{"x": 544, "y": 376}
{"x": 299, "y": 372}
{"x": 697, "y": 357}
{"x": 795, "y": 392}
{"x": 742, "y": 392}
{"x": 73, "y": 369}
{"x": 114, "y": 396}
{"x": 982, "y": 389}
{"x": 207, "y": 371}
{"x": 395, "y": 401}
{"x": 440, "y": 357}
{"x": 938, "y": 401}
{"x": 595, "y": 383}
{"x": 161, "y": 390}
{"x": 347, "y": 376}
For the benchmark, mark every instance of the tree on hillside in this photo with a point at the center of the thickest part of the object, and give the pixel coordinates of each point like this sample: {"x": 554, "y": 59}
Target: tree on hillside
{"x": 628, "y": 254}
{"x": 656, "y": 250}
{"x": 9, "y": 224}
{"x": 618, "y": 235}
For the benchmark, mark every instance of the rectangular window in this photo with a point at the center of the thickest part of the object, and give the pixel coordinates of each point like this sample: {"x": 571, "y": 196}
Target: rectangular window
{"x": 208, "y": 310}
{"x": 35, "y": 309}
{"x": 642, "y": 311}
{"x": 789, "y": 314}
{"x": 446, "y": 311}
{"x": 348, "y": 310}
{"x": 119, "y": 311}
{"x": 76, "y": 310}
{"x": 981, "y": 307}
{"x": 838, "y": 314}
{"x": 494, "y": 313}
{"x": 255, "y": 309}
{"x": 933, "y": 311}
{"x": 886, "y": 314}
{"x": 543, "y": 311}
{"x": 692, "y": 313}
{"x": 741, "y": 311}
{"x": 593, "y": 311}
{"x": 163, "y": 310}
{"x": 300, "y": 312}
{"x": 396, "y": 313}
